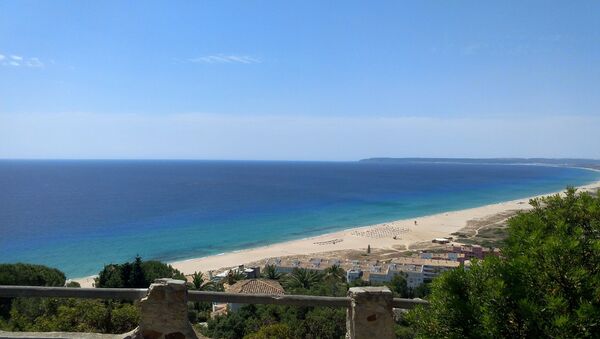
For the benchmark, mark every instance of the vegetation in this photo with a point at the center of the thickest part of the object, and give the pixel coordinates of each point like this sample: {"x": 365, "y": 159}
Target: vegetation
{"x": 200, "y": 311}
{"x": 546, "y": 285}
{"x": 72, "y": 315}
{"x": 76, "y": 315}
{"x": 399, "y": 287}
{"x": 270, "y": 272}
{"x": 253, "y": 321}
{"x": 302, "y": 279}
{"x": 234, "y": 276}
{"x": 273, "y": 331}
{"x": 200, "y": 284}
{"x": 28, "y": 275}
{"x": 490, "y": 231}
{"x": 271, "y": 321}
{"x": 137, "y": 274}
{"x": 335, "y": 272}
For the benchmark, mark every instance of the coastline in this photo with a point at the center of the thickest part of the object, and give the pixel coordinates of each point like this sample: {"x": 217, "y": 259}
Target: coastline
{"x": 378, "y": 236}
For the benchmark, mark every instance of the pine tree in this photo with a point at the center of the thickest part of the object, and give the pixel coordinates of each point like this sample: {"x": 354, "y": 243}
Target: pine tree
{"x": 137, "y": 278}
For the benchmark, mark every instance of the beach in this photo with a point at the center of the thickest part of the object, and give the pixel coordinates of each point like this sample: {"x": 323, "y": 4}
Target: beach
{"x": 172, "y": 211}
{"x": 396, "y": 235}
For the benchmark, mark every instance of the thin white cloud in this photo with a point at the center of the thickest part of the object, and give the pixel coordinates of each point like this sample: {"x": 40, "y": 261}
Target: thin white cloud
{"x": 16, "y": 61}
{"x": 225, "y": 59}
{"x": 34, "y": 62}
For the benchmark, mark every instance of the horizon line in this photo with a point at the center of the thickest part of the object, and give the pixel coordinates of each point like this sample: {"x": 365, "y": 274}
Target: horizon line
{"x": 302, "y": 160}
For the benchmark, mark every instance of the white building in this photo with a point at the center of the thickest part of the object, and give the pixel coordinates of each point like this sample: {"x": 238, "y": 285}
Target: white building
{"x": 353, "y": 274}
{"x": 412, "y": 273}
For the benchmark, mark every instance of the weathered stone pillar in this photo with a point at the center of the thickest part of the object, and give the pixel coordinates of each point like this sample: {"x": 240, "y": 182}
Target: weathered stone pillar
{"x": 164, "y": 313}
{"x": 370, "y": 314}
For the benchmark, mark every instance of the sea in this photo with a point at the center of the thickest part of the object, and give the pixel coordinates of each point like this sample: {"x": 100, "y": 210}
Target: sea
{"x": 80, "y": 215}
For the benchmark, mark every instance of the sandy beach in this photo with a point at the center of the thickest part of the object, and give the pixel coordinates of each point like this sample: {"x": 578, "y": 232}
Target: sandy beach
{"x": 396, "y": 235}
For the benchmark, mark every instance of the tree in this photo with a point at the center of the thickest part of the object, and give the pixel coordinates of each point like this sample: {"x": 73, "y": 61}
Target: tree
{"x": 273, "y": 331}
{"x": 73, "y": 284}
{"x": 27, "y": 275}
{"x": 72, "y": 315}
{"x": 110, "y": 276}
{"x": 233, "y": 325}
{"x": 271, "y": 272}
{"x": 399, "y": 286}
{"x": 154, "y": 269}
{"x": 137, "y": 278}
{"x": 276, "y": 321}
{"x": 303, "y": 278}
{"x": 77, "y": 315}
{"x": 30, "y": 275}
{"x": 125, "y": 274}
{"x": 324, "y": 322}
{"x": 546, "y": 285}
{"x": 57, "y": 314}
{"x": 200, "y": 283}
{"x": 124, "y": 318}
{"x": 138, "y": 274}
{"x": 335, "y": 272}
{"x": 234, "y": 276}
{"x": 197, "y": 280}
{"x": 422, "y": 290}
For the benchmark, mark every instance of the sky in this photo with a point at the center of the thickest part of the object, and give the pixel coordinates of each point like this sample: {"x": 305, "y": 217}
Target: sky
{"x": 299, "y": 80}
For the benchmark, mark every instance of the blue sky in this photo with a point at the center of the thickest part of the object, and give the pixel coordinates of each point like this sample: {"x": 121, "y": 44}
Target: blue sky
{"x": 304, "y": 80}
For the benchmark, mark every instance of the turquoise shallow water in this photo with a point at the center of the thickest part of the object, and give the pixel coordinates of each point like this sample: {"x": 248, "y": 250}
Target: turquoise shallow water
{"x": 80, "y": 215}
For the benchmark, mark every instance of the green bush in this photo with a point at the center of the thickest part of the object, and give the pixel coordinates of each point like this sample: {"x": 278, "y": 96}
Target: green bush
{"x": 30, "y": 275}
{"x": 27, "y": 275}
{"x": 546, "y": 285}
{"x": 273, "y": 331}
{"x": 136, "y": 274}
{"x": 56, "y": 314}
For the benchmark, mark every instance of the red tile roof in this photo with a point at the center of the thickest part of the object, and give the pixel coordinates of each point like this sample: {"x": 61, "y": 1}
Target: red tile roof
{"x": 256, "y": 286}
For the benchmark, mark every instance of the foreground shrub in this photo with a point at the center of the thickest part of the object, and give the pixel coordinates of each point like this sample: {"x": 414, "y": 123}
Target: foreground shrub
{"x": 547, "y": 284}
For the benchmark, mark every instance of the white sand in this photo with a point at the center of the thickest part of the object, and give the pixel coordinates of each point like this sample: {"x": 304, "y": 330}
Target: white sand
{"x": 379, "y": 236}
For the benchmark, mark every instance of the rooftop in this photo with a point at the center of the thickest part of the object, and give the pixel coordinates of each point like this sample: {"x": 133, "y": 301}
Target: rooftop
{"x": 425, "y": 262}
{"x": 256, "y": 286}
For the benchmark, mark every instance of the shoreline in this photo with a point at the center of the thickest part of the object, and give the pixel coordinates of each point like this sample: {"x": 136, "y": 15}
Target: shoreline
{"x": 396, "y": 235}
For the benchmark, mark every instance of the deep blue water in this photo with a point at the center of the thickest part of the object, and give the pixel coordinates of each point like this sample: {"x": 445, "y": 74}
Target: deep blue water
{"x": 80, "y": 215}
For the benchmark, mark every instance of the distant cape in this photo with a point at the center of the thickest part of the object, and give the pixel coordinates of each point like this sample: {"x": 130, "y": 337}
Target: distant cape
{"x": 570, "y": 162}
